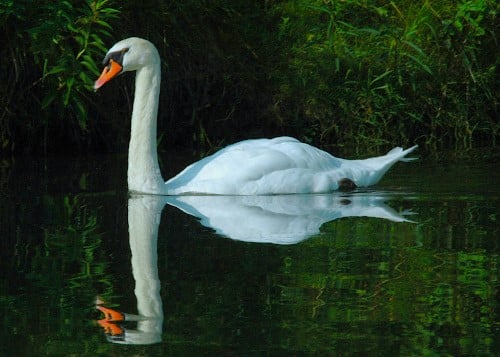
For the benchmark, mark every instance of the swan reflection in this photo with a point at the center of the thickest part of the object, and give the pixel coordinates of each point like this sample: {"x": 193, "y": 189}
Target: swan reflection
{"x": 280, "y": 219}
{"x": 286, "y": 219}
{"x": 144, "y": 214}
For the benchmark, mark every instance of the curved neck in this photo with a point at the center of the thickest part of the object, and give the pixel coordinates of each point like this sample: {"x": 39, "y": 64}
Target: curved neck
{"x": 143, "y": 170}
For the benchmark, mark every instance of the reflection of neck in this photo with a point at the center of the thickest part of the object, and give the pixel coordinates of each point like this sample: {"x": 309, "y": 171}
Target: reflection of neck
{"x": 144, "y": 218}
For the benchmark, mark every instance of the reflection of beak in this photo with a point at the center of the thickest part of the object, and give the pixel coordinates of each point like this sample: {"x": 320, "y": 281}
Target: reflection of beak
{"x": 108, "y": 73}
{"x": 110, "y": 321}
{"x": 110, "y": 328}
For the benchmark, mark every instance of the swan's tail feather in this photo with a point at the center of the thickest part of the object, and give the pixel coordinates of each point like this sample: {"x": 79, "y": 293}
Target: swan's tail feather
{"x": 398, "y": 151}
{"x": 373, "y": 169}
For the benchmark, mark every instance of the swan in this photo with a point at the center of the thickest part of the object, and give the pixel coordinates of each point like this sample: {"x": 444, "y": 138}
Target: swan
{"x": 282, "y": 165}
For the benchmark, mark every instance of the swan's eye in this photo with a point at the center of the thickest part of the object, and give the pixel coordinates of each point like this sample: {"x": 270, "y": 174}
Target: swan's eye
{"x": 116, "y": 56}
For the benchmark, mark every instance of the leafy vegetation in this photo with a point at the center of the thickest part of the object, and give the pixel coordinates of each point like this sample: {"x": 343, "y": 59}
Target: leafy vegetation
{"x": 354, "y": 73}
{"x": 371, "y": 73}
{"x": 52, "y": 50}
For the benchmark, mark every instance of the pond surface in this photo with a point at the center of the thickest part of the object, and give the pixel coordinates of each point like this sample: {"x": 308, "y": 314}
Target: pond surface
{"x": 410, "y": 267}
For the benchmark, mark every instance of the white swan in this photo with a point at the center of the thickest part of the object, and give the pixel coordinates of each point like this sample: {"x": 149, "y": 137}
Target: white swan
{"x": 252, "y": 167}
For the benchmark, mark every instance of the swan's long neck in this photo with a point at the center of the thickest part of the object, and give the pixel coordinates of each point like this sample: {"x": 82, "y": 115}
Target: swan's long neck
{"x": 143, "y": 170}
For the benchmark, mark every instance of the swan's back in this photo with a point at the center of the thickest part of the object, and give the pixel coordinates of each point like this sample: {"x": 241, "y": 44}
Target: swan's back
{"x": 270, "y": 166}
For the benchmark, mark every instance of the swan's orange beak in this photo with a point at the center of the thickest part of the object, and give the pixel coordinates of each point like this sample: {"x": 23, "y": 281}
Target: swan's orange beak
{"x": 108, "y": 73}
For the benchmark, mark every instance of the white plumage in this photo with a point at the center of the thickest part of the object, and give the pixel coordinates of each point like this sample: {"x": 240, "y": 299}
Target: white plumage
{"x": 281, "y": 165}
{"x": 277, "y": 166}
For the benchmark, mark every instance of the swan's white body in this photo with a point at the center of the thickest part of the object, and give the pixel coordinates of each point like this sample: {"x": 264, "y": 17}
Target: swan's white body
{"x": 253, "y": 167}
{"x": 276, "y": 166}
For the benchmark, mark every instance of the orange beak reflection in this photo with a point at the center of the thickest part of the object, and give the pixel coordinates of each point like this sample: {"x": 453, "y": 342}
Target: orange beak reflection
{"x": 108, "y": 73}
{"x": 110, "y": 322}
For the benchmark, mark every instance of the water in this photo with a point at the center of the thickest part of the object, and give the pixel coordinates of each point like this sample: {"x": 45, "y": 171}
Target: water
{"x": 407, "y": 268}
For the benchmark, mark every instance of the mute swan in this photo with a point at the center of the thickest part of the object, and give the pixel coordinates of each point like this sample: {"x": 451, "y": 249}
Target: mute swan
{"x": 252, "y": 167}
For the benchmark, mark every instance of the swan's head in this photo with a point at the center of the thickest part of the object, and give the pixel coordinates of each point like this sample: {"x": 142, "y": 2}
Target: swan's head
{"x": 130, "y": 54}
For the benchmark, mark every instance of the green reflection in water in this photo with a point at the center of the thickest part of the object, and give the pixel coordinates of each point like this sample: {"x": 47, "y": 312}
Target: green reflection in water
{"x": 362, "y": 285}
{"x": 53, "y": 266}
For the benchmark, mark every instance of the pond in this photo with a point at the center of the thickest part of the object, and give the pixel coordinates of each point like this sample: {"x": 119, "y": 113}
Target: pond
{"x": 409, "y": 267}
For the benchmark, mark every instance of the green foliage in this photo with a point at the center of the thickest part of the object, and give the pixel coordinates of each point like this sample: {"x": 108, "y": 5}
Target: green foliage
{"x": 52, "y": 61}
{"x": 371, "y": 73}
{"x": 354, "y": 73}
{"x": 75, "y": 35}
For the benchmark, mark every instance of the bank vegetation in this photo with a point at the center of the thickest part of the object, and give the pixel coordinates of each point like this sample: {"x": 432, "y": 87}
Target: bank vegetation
{"x": 358, "y": 74}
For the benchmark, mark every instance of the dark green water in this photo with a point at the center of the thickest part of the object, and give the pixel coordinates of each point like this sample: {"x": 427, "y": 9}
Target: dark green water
{"x": 340, "y": 274}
